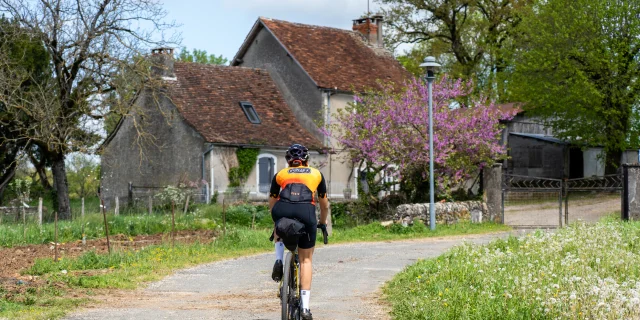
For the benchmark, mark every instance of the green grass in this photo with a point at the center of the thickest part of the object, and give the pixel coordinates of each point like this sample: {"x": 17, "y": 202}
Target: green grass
{"x": 131, "y": 225}
{"x": 128, "y": 269}
{"x": 583, "y": 271}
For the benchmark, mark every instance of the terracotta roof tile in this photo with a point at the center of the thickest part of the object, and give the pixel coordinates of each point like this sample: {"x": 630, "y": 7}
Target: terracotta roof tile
{"x": 208, "y": 97}
{"x": 337, "y": 57}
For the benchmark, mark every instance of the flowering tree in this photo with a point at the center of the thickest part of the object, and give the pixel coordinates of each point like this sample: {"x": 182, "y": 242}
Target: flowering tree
{"x": 389, "y": 127}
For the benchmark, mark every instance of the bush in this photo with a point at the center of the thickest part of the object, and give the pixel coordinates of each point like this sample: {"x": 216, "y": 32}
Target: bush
{"x": 243, "y": 215}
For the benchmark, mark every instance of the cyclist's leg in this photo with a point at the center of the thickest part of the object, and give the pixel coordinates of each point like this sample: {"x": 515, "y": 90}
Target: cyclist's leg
{"x": 306, "y": 268}
{"x": 306, "y": 245}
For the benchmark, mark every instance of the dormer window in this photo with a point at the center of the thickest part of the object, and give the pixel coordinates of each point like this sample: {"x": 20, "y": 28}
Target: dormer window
{"x": 250, "y": 112}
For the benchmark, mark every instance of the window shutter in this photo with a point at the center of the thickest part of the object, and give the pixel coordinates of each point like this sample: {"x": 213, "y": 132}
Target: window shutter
{"x": 264, "y": 174}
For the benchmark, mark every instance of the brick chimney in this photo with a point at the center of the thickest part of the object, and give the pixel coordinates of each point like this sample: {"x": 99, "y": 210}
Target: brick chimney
{"x": 371, "y": 29}
{"x": 162, "y": 59}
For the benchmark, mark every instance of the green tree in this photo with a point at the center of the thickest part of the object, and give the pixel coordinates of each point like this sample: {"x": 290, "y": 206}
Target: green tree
{"x": 201, "y": 56}
{"x": 578, "y": 68}
{"x": 471, "y": 38}
{"x": 83, "y": 173}
{"x": 91, "y": 45}
{"x": 23, "y": 55}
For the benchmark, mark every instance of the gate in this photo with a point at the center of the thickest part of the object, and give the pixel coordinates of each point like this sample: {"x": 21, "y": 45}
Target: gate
{"x": 589, "y": 199}
{"x": 531, "y": 202}
{"x": 537, "y": 202}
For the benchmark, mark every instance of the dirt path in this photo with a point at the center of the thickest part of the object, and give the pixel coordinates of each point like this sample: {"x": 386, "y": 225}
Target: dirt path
{"x": 347, "y": 280}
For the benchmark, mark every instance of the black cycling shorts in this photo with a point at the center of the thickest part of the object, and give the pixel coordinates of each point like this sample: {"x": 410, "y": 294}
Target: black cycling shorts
{"x": 303, "y": 212}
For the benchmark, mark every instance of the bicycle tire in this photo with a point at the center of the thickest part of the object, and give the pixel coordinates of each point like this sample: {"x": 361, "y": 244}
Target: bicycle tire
{"x": 286, "y": 279}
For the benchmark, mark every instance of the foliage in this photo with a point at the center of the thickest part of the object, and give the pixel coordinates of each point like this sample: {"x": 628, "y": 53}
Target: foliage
{"x": 243, "y": 215}
{"x": 472, "y": 39}
{"x": 585, "y": 271}
{"x": 201, "y": 56}
{"x": 172, "y": 194}
{"x": 95, "y": 52}
{"x": 24, "y": 56}
{"x": 83, "y": 174}
{"x": 386, "y": 127}
{"x": 247, "y": 158}
{"x": 22, "y": 190}
{"x": 579, "y": 69}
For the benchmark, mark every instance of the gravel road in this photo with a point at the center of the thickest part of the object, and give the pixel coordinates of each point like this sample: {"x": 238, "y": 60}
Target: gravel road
{"x": 346, "y": 285}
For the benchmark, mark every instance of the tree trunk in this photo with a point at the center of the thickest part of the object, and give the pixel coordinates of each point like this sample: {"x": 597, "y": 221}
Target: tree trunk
{"x": 62, "y": 188}
{"x": 41, "y": 170}
{"x": 6, "y": 178}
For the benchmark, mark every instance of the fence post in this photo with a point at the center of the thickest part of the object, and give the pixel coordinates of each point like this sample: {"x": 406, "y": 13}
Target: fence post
{"x": 55, "y": 239}
{"x": 40, "y": 212}
{"x": 150, "y": 205}
{"x": 130, "y": 194}
{"x": 24, "y": 222}
{"x": 117, "y": 209}
{"x": 186, "y": 204}
{"x": 173, "y": 223}
{"x": 106, "y": 225}
{"x": 560, "y": 206}
{"x": 493, "y": 192}
{"x": 84, "y": 236}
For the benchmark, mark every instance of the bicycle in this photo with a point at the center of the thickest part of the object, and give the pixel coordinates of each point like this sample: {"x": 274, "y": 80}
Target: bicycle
{"x": 290, "y": 283}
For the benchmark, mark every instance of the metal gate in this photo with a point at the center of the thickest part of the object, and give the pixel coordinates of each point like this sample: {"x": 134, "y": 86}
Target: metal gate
{"x": 531, "y": 202}
{"x": 538, "y": 202}
{"x": 589, "y": 199}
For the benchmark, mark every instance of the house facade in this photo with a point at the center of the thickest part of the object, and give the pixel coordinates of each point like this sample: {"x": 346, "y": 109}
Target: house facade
{"x": 189, "y": 131}
{"x": 318, "y": 70}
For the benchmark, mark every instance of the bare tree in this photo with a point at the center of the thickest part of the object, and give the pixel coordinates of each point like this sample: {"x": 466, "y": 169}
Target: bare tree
{"x": 95, "y": 49}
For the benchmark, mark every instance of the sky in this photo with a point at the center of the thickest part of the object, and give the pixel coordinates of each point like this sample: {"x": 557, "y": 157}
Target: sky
{"x": 220, "y": 26}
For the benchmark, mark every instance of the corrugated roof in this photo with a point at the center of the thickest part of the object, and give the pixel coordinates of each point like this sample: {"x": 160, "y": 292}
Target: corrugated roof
{"x": 540, "y": 137}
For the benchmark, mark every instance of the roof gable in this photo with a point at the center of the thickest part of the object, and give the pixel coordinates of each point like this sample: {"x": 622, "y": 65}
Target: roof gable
{"x": 208, "y": 97}
{"x": 333, "y": 58}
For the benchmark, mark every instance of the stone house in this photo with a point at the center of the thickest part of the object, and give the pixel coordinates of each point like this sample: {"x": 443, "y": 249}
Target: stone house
{"x": 198, "y": 120}
{"x": 318, "y": 70}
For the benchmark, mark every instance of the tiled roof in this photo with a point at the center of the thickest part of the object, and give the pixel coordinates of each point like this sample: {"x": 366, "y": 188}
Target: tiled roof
{"x": 208, "y": 97}
{"x": 337, "y": 58}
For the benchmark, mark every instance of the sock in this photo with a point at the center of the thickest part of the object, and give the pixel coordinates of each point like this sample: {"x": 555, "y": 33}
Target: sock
{"x": 305, "y": 294}
{"x": 279, "y": 250}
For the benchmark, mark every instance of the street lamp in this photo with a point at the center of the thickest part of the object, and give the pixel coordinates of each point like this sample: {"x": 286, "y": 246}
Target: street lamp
{"x": 431, "y": 66}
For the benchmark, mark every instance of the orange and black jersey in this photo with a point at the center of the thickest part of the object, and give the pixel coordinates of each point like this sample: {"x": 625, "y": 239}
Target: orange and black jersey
{"x": 298, "y": 185}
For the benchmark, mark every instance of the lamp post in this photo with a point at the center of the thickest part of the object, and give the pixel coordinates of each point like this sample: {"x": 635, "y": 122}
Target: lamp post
{"x": 431, "y": 66}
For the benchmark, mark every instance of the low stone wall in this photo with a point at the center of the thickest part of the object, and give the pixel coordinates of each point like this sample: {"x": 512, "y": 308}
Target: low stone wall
{"x": 446, "y": 212}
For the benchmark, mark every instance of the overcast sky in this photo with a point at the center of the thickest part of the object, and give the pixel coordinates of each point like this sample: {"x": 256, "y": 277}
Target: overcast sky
{"x": 220, "y": 26}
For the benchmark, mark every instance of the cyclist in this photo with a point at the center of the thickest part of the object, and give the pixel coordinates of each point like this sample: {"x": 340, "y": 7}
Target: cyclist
{"x": 292, "y": 195}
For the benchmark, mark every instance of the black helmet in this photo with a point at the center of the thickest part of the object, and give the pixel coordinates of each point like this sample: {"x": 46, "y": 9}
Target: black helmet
{"x": 297, "y": 155}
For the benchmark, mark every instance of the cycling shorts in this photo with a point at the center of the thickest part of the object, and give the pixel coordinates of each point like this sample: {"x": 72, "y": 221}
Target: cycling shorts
{"x": 303, "y": 212}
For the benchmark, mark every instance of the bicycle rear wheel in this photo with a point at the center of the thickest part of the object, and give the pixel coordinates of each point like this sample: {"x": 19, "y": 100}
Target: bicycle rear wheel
{"x": 286, "y": 286}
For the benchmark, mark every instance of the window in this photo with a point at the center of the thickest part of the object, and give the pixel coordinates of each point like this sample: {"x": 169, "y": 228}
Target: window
{"x": 250, "y": 112}
{"x": 266, "y": 170}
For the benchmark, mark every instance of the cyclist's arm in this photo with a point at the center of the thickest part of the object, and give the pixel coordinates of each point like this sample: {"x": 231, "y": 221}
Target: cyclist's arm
{"x": 323, "y": 201}
{"x": 274, "y": 192}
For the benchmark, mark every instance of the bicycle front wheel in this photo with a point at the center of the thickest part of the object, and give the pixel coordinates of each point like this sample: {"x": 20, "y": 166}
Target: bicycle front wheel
{"x": 286, "y": 284}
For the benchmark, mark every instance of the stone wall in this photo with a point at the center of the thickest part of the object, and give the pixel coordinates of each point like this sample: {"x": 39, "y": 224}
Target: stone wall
{"x": 446, "y": 212}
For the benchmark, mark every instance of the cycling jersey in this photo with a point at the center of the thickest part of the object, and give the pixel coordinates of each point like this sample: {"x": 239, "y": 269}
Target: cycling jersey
{"x": 298, "y": 185}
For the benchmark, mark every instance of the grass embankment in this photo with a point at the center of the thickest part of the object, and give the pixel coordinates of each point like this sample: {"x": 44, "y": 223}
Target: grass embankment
{"x": 580, "y": 272}
{"x": 127, "y": 269}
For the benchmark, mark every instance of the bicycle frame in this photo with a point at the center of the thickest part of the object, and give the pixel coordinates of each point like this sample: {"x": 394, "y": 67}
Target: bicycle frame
{"x": 291, "y": 305}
